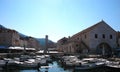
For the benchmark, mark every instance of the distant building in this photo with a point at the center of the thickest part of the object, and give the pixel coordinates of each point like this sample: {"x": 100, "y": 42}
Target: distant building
{"x": 61, "y": 43}
{"x": 32, "y": 43}
{"x": 11, "y": 38}
{"x": 97, "y": 39}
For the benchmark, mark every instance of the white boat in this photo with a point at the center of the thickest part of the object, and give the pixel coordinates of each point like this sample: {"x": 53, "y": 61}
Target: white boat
{"x": 43, "y": 62}
{"x": 113, "y": 65}
{"x": 2, "y": 63}
{"x": 46, "y": 67}
{"x": 11, "y": 61}
{"x": 90, "y": 64}
{"x": 29, "y": 64}
{"x": 69, "y": 64}
{"x": 70, "y": 61}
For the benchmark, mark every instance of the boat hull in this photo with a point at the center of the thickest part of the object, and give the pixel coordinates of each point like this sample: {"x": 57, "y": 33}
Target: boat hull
{"x": 28, "y": 66}
{"x": 111, "y": 69}
{"x": 89, "y": 67}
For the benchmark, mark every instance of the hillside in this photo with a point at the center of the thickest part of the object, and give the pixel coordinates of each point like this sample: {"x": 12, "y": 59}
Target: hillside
{"x": 40, "y": 40}
{"x": 51, "y": 44}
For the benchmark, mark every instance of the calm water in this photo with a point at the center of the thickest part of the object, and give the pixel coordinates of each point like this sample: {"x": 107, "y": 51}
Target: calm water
{"x": 54, "y": 67}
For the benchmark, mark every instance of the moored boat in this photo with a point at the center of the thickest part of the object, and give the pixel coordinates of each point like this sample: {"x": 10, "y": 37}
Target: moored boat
{"x": 114, "y": 66}
{"x": 29, "y": 64}
{"x": 2, "y": 63}
{"x": 90, "y": 64}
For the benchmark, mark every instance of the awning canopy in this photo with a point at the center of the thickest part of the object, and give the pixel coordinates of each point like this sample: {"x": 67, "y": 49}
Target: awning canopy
{"x": 21, "y": 48}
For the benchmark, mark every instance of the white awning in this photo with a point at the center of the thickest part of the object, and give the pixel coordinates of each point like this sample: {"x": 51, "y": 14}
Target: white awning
{"x": 21, "y": 48}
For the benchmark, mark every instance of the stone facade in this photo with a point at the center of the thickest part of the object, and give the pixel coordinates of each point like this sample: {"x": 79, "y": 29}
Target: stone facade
{"x": 61, "y": 43}
{"x": 119, "y": 42}
{"x": 32, "y": 43}
{"x": 99, "y": 38}
{"x": 11, "y": 38}
{"x": 118, "y": 38}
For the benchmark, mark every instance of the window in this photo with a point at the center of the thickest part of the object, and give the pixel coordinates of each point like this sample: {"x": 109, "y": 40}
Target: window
{"x": 96, "y": 36}
{"x": 103, "y": 36}
{"x": 111, "y": 37}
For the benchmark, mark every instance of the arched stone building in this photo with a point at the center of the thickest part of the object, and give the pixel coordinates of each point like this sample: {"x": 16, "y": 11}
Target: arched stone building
{"x": 97, "y": 39}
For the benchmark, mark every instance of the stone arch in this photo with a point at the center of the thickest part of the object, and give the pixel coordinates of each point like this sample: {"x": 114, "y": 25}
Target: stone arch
{"x": 104, "y": 49}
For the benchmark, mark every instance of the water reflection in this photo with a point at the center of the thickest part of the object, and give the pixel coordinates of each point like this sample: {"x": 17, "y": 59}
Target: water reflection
{"x": 53, "y": 67}
{"x": 29, "y": 71}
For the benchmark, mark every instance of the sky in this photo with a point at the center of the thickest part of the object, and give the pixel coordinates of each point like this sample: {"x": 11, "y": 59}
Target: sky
{"x": 57, "y": 18}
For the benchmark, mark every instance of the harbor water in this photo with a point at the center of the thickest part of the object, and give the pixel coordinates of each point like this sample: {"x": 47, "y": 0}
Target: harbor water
{"x": 53, "y": 67}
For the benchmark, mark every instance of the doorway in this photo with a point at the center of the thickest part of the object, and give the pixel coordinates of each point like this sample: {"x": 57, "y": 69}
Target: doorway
{"x": 104, "y": 49}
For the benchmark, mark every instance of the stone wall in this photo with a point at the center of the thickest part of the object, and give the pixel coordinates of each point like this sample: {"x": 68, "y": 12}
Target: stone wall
{"x": 109, "y": 34}
{"x": 118, "y": 39}
{"x": 33, "y": 43}
{"x": 90, "y": 39}
{"x": 10, "y": 37}
{"x": 119, "y": 42}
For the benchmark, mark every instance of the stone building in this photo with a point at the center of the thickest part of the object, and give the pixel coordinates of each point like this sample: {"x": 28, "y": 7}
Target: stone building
{"x": 9, "y": 37}
{"x": 97, "y": 39}
{"x": 118, "y": 39}
{"x": 61, "y": 43}
{"x": 32, "y": 43}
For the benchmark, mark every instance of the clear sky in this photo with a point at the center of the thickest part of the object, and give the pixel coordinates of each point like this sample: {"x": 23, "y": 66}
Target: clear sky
{"x": 57, "y": 18}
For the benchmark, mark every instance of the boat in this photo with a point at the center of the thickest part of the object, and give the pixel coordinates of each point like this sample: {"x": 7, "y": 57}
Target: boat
{"x": 2, "y": 63}
{"x": 70, "y": 61}
{"x": 90, "y": 64}
{"x": 112, "y": 65}
{"x": 29, "y": 64}
{"x": 43, "y": 62}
